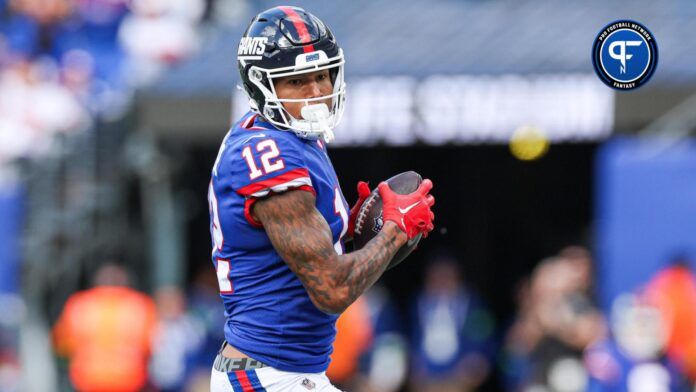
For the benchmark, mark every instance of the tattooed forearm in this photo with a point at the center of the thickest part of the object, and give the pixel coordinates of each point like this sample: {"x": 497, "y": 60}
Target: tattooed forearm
{"x": 303, "y": 239}
{"x": 359, "y": 270}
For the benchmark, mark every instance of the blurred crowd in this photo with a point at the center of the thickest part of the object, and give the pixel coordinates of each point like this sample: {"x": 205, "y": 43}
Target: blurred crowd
{"x": 558, "y": 341}
{"x": 448, "y": 340}
{"x": 556, "y": 320}
{"x": 67, "y": 63}
{"x": 67, "y": 66}
{"x": 112, "y": 337}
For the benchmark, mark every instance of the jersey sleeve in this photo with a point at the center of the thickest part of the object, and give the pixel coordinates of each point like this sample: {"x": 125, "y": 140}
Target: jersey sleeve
{"x": 265, "y": 163}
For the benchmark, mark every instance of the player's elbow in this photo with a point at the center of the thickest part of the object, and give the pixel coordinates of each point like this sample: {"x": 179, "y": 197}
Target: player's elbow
{"x": 331, "y": 308}
{"x": 334, "y": 304}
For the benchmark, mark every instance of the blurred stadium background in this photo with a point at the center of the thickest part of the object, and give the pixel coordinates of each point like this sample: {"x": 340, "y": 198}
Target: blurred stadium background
{"x": 566, "y": 214}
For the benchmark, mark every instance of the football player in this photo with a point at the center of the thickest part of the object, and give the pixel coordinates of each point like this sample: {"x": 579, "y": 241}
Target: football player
{"x": 278, "y": 216}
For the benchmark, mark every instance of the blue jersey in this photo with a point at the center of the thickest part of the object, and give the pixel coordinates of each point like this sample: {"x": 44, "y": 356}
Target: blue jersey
{"x": 270, "y": 316}
{"x": 611, "y": 370}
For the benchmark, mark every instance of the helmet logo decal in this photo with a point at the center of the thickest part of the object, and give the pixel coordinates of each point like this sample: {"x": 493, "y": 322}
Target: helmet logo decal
{"x": 251, "y": 46}
{"x": 312, "y": 57}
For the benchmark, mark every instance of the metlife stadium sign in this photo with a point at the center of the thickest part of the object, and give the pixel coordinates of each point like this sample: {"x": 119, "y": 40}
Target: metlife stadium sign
{"x": 464, "y": 109}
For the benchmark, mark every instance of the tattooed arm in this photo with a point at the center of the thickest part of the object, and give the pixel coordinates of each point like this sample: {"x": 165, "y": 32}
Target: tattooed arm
{"x": 303, "y": 239}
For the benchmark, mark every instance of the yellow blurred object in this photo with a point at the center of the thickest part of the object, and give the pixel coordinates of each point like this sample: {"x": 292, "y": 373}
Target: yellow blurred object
{"x": 528, "y": 143}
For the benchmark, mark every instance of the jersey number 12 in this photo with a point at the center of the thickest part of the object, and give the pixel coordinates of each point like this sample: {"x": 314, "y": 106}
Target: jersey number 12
{"x": 268, "y": 161}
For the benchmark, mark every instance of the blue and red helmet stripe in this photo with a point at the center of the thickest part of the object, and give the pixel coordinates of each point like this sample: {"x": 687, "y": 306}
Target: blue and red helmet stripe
{"x": 300, "y": 26}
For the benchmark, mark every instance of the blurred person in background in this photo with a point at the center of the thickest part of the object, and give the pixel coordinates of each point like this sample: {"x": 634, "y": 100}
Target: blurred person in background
{"x": 632, "y": 357}
{"x": 453, "y": 332}
{"x": 204, "y": 306}
{"x": 383, "y": 367}
{"x": 43, "y": 12}
{"x": 278, "y": 218}
{"x": 673, "y": 292}
{"x": 28, "y": 25}
{"x": 177, "y": 340}
{"x": 370, "y": 350}
{"x": 97, "y": 48}
{"x": 171, "y": 28}
{"x": 34, "y": 107}
{"x": 105, "y": 334}
{"x": 557, "y": 319}
{"x": 353, "y": 337}
{"x": 521, "y": 336}
{"x": 93, "y": 27}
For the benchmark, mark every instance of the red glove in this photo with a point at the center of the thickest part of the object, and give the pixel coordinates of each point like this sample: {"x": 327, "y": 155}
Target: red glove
{"x": 410, "y": 212}
{"x": 363, "y": 193}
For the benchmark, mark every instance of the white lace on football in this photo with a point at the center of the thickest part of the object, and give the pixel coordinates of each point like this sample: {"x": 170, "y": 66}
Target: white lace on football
{"x": 362, "y": 213}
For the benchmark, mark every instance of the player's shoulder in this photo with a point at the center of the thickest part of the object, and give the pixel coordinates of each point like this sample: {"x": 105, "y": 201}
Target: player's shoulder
{"x": 251, "y": 129}
{"x": 257, "y": 157}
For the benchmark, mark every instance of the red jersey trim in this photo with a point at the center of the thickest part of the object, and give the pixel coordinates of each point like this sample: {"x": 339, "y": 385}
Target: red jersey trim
{"x": 250, "y": 120}
{"x": 249, "y": 203}
{"x": 271, "y": 182}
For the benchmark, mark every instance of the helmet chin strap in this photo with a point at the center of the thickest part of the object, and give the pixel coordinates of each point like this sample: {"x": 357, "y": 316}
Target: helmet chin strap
{"x": 316, "y": 118}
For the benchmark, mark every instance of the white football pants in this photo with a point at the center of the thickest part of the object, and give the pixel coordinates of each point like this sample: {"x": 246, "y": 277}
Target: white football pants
{"x": 268, "y": 379}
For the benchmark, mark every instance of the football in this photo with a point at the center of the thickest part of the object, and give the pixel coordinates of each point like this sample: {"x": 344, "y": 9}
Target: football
{"x": 369, "y": 220}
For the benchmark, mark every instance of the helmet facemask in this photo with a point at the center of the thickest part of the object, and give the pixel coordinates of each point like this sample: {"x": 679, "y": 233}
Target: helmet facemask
{"x": 317, "y": 119}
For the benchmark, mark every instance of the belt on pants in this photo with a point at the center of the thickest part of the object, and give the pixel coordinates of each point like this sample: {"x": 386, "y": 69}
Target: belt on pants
{"x": 226, "y": 365}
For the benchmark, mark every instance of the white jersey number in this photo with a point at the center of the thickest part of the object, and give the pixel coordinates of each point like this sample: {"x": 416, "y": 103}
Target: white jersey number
{"x": 267, "y": 158}
{"x": 215, "y": 229}
{"x": 340, "y": 210}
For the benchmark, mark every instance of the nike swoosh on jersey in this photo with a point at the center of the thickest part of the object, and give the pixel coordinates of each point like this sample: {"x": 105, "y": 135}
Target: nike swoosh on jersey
{"x": 254, "y": 136}
{"x": 407, "y": 209}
